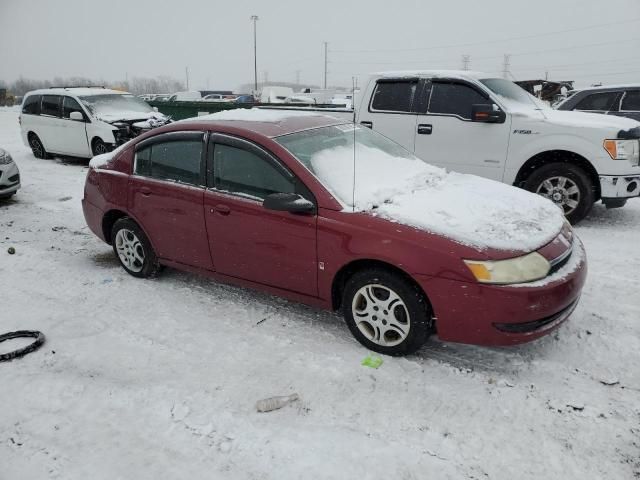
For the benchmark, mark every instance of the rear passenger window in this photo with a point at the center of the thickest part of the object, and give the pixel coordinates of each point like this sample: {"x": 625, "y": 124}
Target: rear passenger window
{"x": 394, "y": 96}
{"x": 454, "y": 99}
{"x": 241, "y": 171}
{"x": 70, "y": 105}
{"x": 598, "y": 101}
{"x": 631, "y": 101}
{"x": 177, "y": 161}
{"x": 51, "y": 105}
{"x": 31, "y": 105}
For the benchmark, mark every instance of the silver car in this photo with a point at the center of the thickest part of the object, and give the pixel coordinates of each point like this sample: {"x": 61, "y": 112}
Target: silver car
{"x": 9, "y": 175}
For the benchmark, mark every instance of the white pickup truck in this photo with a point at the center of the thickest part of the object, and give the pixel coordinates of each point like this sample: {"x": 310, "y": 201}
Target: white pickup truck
{"x": 474, "y": 123}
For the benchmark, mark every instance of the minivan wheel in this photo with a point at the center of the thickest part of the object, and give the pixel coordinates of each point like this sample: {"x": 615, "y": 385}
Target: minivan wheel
{"x": 36, "y": 147}
{"x": 385, "y": 312}
{"x": 133, "y": 249}
{"x": 99, "y": 147}
{"x": 566, "y": 185}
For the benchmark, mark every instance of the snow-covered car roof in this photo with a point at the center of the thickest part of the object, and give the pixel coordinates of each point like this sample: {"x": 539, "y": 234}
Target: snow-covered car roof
{"x": 468, "y": 74}
{"x": 80, "y": 91}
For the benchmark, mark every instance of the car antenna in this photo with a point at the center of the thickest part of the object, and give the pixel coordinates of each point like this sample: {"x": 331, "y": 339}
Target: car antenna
{"x": 353, "y": 105}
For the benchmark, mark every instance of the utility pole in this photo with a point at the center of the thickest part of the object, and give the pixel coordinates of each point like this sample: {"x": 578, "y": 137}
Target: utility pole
{"x": 505, "y": 65}
{"x": 186, "y": 70}
{"x": 254, "y": 19}
{"x": 546, "y": 74}
{"x": 466, "y": 60}
{"x": 297, "y": 77}
{"x": 325, "y": 65}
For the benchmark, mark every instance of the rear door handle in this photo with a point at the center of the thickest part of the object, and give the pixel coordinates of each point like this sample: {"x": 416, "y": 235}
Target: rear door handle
{"x": 367, "y": 124}
{"x": 145, "y": 191}
{"x": 425, "y": 129}
{"x": 222, "y": 209}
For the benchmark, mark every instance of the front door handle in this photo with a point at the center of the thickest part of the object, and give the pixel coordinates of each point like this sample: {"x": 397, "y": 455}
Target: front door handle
{"x": 222, "y": 209}
{"x": 145, "y": 191}
{"x": 367, "y": 124}
{"x": 425, "y": 129}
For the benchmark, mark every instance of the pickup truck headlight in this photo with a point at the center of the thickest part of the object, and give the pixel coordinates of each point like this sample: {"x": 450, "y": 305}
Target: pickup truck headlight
{"x": 527, "y": 268}
{"x": 623, "y": 150}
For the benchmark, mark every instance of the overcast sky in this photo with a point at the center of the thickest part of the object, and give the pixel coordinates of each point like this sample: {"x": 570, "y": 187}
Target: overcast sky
{"x": 584, "y": 40}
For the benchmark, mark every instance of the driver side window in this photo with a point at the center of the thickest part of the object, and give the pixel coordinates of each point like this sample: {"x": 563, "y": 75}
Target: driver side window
{"x": 454, "y": 99}
{"x": 242, "y": 172}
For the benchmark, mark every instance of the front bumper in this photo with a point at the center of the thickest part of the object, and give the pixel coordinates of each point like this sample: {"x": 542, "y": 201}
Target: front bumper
{"x": 619, "y": 186}
{"x": 9, "y": 179}
{"x": 504, "y": 315}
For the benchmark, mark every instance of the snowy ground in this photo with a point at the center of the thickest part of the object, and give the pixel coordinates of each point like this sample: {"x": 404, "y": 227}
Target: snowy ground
{"x": 158, "y": 379}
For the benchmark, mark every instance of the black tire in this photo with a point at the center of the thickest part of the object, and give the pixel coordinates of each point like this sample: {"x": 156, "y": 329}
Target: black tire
{"x": 150, "y": 266}
{"x": 21, "y": 352}
{"x": 418, "y": 321}
{"x": 98, "y": 147}
{"x": 37, "y": 147}
{"x": 551, "y": 171}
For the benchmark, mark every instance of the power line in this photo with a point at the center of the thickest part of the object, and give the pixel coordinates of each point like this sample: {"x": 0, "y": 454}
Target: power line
{"x": 487, "y": 42}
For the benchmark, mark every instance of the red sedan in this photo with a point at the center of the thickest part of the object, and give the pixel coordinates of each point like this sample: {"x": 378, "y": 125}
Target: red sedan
{"x": 337, "y": 216}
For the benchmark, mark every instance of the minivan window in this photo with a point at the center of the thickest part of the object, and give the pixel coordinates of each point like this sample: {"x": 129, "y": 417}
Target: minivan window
{"x": 631, "y": 101}
{"x": 598, "y": 101}
{"x": 177, "y": 161}
{"x": 70, "y": 105}
{"x": 240, "y": 171}
{"x": 31, "y": 105}
{"x": 51, "y": 105}
{"x": 454, "y": 99}
{"x": 394, "y": 96}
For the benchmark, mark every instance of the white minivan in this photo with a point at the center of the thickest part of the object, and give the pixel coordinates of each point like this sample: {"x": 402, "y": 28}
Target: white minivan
{"x": 83, "y": 122}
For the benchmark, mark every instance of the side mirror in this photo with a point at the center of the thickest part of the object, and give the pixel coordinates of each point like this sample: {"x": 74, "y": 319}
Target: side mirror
{"x": 77, "y": 116}
{"x": 487, "y": 113}
{"x": 288, "y": 202}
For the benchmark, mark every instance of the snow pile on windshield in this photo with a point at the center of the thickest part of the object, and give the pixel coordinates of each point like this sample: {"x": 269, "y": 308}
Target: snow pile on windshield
{"x": 471, "y": 210}
{"x": 253, "y": 115}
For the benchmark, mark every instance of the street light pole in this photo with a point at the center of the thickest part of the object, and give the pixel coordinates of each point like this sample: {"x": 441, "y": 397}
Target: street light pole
{"x": 254, "y": 18}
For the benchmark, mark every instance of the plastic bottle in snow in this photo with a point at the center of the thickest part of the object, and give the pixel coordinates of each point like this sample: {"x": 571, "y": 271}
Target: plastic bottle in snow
{"x": 274, "y": 403}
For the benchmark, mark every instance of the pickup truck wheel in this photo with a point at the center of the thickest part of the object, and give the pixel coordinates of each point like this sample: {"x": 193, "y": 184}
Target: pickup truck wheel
{"x": 566, "y": 185}
{"x": 385, "y": 312}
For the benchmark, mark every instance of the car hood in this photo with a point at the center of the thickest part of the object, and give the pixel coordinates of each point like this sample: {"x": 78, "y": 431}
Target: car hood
{"x": 128, "y": 116}
{"x": 589, "y": 120}
{"x": 476, "y": 212}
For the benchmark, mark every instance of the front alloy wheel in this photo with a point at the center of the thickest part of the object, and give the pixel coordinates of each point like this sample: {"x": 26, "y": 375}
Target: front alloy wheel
{"x": 386, "y": 311}
{"x": 562, "y": 191}
{"x": 381, "y": 315}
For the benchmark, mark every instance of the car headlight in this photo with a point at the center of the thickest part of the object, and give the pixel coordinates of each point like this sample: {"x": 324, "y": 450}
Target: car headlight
{"x": 5, "y": 158}
{"x": 623, "y": 150}
{"x": 527, "y": 268}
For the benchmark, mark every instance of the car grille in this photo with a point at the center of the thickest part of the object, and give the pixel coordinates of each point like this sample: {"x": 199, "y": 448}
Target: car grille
{"x": 537, "y": 325}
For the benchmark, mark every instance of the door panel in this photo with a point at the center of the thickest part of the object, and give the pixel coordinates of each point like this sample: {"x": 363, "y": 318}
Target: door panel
{"x": 172, "y": 215}
{"x": 250, "y": 242}
{"x": 446, "y": 136}
{"x": 73, "y": 133}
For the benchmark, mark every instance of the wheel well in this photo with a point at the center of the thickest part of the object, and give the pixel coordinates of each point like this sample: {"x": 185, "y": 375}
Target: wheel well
{"x": 111, "y": 217}
{"x": 343, "y": 275}
{"x": 93, "y": 140}
{"x": 558, "y": 156}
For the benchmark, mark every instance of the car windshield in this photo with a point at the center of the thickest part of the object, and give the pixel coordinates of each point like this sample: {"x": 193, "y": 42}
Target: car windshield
{"x": 363, "y": 175}
{"x": 512, "y": 92}
{"x": 113, "y": 103}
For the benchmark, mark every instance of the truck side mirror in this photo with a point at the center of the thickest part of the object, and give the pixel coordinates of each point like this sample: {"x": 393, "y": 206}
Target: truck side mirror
{"x": 487, "y": 113}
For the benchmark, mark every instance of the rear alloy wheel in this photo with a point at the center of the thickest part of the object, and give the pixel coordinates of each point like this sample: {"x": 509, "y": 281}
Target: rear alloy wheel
{"x": 133, "y": 249}
{"x": 99, "y": 147}
{"x": 37, "y": 148}
{"x": 566, "y": 185}
{"x": 386, "y": 313}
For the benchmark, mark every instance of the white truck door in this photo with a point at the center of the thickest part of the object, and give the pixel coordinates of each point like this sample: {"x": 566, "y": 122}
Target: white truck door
{"x": 73, "y": 133}
{"x": 446, "y": 135}
{"x": 390, "y": 109}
